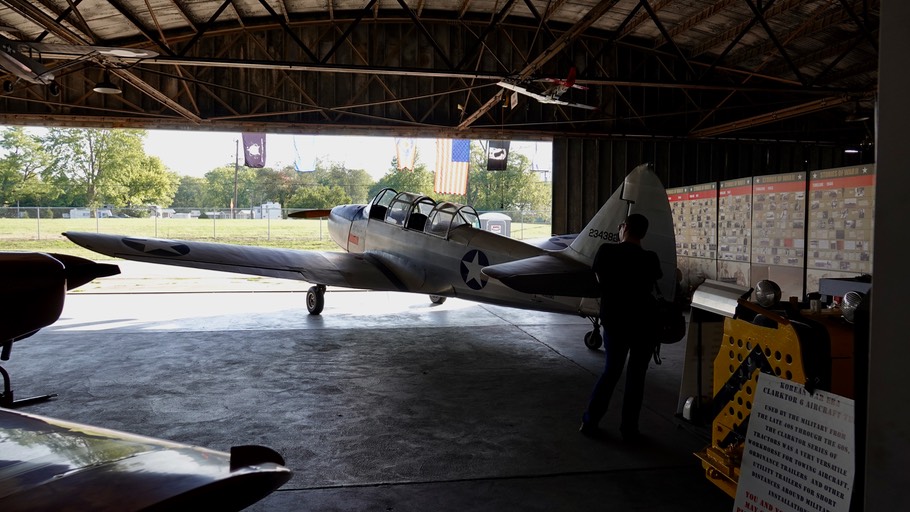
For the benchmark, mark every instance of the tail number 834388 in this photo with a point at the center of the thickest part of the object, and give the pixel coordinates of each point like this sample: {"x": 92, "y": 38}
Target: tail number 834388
{"x": 603, "y": 235}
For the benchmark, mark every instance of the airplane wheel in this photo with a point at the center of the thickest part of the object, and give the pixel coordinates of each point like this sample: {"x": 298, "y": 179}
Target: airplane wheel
{"x": 315, "y": 299}
{"x": 437, "y": 299}
{"x": 54, "y": 89}
{"x": 593, "y": 340}
{"x": 7, "y": 86}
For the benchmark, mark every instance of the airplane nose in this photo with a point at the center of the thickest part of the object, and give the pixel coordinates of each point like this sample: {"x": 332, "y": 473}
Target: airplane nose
{"x": 340, "y": 220}
{"x": 348, "y": 212}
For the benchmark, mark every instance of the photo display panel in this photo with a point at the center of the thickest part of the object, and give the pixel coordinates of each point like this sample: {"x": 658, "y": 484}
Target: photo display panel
{"x": 734, "y": 231}
{"x": 779, "y": 231}
{"x": 841, "y": 211}
{"x": 694, "y": 210}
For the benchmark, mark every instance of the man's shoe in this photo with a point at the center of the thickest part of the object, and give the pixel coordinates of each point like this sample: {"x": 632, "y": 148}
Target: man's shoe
{"x": 589, "y": 430}
{"x": 631, "y": 436}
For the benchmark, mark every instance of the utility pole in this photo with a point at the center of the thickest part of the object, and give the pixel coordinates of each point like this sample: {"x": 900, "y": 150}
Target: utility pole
{"x": 236, "y": 166}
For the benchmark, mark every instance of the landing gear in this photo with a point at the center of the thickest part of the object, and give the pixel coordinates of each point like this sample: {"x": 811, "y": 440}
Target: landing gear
{"x": 437, "y": 299}
{"x": 593, "y": 339}
{"x": 315, "y": 299}
{"x": 6, "y": 395}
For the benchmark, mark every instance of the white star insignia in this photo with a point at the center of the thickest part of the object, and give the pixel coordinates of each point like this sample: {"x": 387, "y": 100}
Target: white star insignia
{"x": 474, "y": 269}
{"x": 164, "y": 245}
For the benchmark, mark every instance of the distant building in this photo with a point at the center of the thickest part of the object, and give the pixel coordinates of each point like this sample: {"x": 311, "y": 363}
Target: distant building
{"x": 267, "y": 211}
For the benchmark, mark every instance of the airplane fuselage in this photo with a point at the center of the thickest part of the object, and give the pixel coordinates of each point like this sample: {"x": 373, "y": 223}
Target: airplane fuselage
{"x": 447, "y": 264}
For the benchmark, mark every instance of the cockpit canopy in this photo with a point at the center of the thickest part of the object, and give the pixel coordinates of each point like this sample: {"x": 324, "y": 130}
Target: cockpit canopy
{"x": 419, "y": 212}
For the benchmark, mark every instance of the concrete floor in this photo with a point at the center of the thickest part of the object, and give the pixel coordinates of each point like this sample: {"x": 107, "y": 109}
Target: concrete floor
{"x": 384, "y": 402}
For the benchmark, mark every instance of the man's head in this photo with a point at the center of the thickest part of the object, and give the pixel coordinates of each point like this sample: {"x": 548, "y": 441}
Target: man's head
{"x": 635, "y": 226}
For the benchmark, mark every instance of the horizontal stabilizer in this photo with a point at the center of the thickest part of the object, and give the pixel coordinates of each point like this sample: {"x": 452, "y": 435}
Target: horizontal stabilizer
{"x": 546, "y": 275}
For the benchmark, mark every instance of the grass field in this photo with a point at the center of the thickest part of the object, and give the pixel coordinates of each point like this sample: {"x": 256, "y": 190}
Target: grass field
{"x": 45, "y": 235}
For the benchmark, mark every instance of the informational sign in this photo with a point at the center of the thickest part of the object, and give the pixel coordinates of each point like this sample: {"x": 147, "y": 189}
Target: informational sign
{"x": 800, "y": 451}
{"x": 779, "y": 231}
{"x": 694, "y": 211}
{"x": 734, "y": 231}
{"x": 841, "y": 208}
{"x": 778, "y": 219}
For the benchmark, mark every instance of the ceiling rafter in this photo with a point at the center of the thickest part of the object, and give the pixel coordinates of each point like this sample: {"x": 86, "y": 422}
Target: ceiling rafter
{"x": 823, "y": 17}
{"x": 80, "y": 22}
{"x": 860, "y": 24}
{"x": 660, "y": 26}
{"x": 478, "y": 46}
{"x": 771, "y": 10}
{"x": 205, "y": 28}
{"x": 640, "y": 17}
{"x": 692, "y": 21}
{"x": 137, "y": 24}
{"x": 347, "y": 32}
{"x": 426, "y": 34}
{"x": 780, "y": 48}
{"x": 770, "y": 117}
{"x": 379, "y": 80}
{"x": 452, "y": 87}
{"x": 284, "y": 26}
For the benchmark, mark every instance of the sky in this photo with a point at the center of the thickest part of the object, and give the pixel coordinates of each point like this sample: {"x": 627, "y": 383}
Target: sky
{"x": 196, "y": 153}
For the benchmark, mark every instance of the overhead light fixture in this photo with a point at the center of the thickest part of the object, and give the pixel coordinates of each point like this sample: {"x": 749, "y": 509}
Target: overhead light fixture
{"x": 105, "y": 86}
{"x": 851, "y": 150}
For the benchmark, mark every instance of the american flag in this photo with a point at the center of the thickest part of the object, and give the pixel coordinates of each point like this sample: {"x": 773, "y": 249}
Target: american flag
{"x": 452, "y": 159}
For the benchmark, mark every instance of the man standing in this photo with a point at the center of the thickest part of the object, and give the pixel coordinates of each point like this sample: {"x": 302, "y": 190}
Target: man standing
{"x": 626, "y": 274}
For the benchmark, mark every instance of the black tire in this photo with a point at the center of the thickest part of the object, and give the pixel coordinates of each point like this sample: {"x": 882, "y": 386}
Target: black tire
{"x": 54, "y": 89}
{"x": 593, "y": 340}
{"x": 7, "y": 86}
{"x": 437, "y": 299}
{"x": 315, "y": 300}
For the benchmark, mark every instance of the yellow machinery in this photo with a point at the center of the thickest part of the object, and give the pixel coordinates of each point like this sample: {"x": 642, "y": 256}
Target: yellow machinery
{"x": 819, "y": 344}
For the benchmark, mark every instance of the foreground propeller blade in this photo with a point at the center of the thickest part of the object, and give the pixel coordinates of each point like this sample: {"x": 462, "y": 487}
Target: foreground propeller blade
{"x": 309, "y": 214}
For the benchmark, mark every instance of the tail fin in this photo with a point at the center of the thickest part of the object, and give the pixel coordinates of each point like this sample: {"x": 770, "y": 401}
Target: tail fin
{"x": 641, "y": 192}
{"x": 570, "y": 80}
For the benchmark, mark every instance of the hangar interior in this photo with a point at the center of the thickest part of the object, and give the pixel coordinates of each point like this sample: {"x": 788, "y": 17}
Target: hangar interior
{"x": 709, "y": 91}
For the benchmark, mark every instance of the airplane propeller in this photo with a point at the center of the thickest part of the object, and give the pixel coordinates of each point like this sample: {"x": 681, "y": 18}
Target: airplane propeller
{"x": 313, "y": 213}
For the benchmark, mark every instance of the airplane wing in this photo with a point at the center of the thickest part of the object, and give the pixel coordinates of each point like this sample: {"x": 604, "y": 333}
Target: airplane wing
{"x": 547, "y": 274}
{"x": 49, "y": 464}
{"x": 576, "y": 105}
{"x": 542, "y": 98}
{"x": 328, "y": 268}
{"x": 52, "y": 50}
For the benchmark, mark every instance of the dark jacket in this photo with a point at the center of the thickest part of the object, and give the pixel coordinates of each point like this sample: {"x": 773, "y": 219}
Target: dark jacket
{"x": 626, "y": 275}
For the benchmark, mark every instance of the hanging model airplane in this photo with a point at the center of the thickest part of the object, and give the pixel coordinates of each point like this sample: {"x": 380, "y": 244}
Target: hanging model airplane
{"x": 50, "y": 464}
{"x": 22, "y": 59}
{"x": 552, "y": 92}
{"x": 409, "y": 243}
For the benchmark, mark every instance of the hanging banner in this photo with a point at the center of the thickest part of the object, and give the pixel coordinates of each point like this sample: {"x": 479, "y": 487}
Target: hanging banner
{"x": 254, "y": 149}
{"x": 497, "y": 155}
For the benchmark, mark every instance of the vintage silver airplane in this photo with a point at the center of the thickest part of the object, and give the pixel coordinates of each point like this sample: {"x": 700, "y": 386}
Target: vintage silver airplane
{"x": 410, "y": 243}
{"x": 552, "y": 93}
{"x": 21, "y": 59}
{"x": 51, "y": 464}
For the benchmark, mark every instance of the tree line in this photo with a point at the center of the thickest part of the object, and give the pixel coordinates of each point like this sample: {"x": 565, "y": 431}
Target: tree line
{"x": 71, "y": 167}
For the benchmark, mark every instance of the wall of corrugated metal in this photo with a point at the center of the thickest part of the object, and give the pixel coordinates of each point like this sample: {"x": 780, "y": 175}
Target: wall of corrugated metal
{"x": 587, "y": 171}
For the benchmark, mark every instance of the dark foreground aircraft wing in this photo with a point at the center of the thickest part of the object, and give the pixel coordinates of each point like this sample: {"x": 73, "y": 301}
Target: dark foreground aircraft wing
{"x": 322, "y": 267}
{"x": 48, "y": 464}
